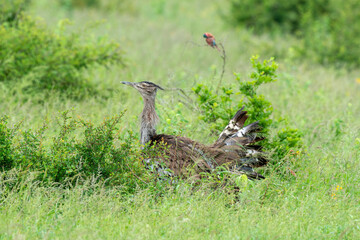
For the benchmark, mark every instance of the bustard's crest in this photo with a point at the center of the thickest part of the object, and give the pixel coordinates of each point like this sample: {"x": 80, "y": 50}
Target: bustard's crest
{"x": 144, "y": 85}
{"x": 150, "y": 84}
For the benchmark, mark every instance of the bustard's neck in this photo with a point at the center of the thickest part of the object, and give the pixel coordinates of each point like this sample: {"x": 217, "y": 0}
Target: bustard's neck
{"x": 149, "y": 119}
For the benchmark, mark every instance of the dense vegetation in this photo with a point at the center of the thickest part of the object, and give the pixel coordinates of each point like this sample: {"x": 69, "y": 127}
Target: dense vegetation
{"x": 71, "y": 166}
{"x": 328, "y": 29}
{"x": 35, "y": 58}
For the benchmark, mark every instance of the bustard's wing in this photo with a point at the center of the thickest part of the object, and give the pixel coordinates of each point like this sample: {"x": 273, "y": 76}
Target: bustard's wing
{"x": 181, "y": 153}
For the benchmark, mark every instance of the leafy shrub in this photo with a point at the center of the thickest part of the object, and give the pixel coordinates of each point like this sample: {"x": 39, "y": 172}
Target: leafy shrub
{"x": 286, "y": 140}
{"x": 283, "y": 15}
{"x": 98, "y": 152}
{"x": 10, "y": 10}
{"x": 259, "y": 109}
{"x": 329, "y": 29}
{"x": 217, "y": 110}
{"x": 6, "y": 137}
{"x": 46, "y": 60}
{"x": 332, "y": 36}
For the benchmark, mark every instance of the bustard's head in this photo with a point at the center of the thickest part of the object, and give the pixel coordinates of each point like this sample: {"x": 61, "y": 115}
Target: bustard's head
{"x": 146, "y": 89}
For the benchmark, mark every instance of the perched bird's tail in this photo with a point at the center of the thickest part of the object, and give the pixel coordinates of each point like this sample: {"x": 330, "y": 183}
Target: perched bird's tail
{"x": 217, "y": 48}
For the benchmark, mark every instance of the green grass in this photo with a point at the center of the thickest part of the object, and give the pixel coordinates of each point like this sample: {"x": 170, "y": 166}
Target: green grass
{"x": 295, "y": 210}
{"x": 158, "y": 39}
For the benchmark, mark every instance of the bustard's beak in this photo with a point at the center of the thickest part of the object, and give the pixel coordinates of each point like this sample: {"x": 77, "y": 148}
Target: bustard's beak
{"x": 128, "y": 83}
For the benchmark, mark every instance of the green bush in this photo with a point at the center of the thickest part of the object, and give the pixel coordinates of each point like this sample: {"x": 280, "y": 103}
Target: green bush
{"x": 217, "y": 110}
{"x": 36, "y": 58}
{"x": 98, "y": 152}
{"x": 332, "y": 37}
{"x": 282, "y": 15}
{"x": 10, "y": 10}
{"x": 6, "y": 138}
{"x": 328, "y": 29}
{"x": 278, "y": 15}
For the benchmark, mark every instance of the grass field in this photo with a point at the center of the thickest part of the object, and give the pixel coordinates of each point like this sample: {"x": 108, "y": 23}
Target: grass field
{"x": 163, "y": 44}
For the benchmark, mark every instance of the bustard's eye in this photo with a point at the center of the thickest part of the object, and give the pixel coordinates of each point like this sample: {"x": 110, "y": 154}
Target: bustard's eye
{"x": 147, "y": 88}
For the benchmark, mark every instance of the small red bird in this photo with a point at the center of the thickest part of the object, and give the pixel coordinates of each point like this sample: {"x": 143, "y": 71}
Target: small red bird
{"x": 210, "y": 40}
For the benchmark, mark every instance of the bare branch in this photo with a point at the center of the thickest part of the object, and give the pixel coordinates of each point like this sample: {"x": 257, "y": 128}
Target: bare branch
{"x": 223, "y": 56}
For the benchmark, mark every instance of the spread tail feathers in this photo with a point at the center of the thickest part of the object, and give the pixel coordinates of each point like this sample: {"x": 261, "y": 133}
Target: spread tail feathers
{"x": 241, "y": 139}
{"x": 236, "y": 133}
